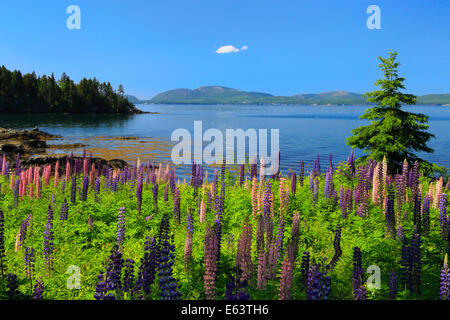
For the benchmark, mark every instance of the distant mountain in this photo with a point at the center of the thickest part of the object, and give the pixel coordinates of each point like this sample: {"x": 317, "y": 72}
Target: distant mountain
{"x": 208, "y": 95}
{"x": 224, "y": 95}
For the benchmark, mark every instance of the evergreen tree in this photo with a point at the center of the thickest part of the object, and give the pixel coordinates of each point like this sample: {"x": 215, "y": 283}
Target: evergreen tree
{"x": 392, "y": 132}
{"x": 29, "y": 93}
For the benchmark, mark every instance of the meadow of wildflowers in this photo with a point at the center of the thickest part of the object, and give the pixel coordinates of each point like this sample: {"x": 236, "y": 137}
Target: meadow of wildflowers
{"x": 144, "y": 233}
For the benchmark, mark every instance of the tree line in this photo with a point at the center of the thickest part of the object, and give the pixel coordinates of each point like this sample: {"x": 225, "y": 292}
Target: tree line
{"x": 28, "y": 93}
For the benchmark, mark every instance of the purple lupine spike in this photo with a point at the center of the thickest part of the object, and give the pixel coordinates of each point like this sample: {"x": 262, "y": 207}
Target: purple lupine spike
{"x": 2, "y": 244}
{"x": 304, "y": 268}
{"x": 100, "y": 291}
{"x": 155, "y": 197}
{"x": 139, "y": 187}
{"x": 147, "y": 268}
{"x": 18, "y": 165}
{"x": 318, "y": 286}
{"x": 337, "y": 248}
{"x": 97, "y": 189}
{"x": 241, "y": 174}
{"x": 295, "y": 231}
{"x": 48, "y": 246}
{"x": 38, "y": 290}
{"x": 64, "y": 210}
{"x": 73, "y": 190}
{"x": 329, "y": 186}
{"x": 417, "y": 208}
{"x": 301, "y": 176}
{"x": 172, "y": 180}
{"x": 393, "y": 285}
{"x": 444, "y": 290}
{"x": 166, "y": 193}
{"x": 343, "y": 202}
{"x": 400, "y": 233}
{"x": 128, "y": 277}
{"x": 293, "y": 183}
{"x": 390, "y": 213}
{"x": 29, "y": 264}
{"x": 359, "y": 291}
{"x": 316, "y": 191}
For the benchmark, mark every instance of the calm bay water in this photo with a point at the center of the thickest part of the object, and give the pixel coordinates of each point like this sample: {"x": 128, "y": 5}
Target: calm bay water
{"x": 305, "y": 131}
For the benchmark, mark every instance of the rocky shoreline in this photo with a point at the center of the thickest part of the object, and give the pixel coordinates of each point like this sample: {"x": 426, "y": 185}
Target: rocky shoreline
{"x": 31, "y": 146}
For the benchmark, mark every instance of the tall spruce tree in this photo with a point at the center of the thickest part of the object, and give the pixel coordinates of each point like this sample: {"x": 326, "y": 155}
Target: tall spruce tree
{"x": 392, "y": 132}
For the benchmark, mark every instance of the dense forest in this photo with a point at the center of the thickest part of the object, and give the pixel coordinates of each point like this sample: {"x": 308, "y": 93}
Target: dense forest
{"x": 29, "y": 93}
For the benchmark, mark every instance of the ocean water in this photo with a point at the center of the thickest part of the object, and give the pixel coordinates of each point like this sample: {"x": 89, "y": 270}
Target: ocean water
{"x": 304, "y": 131}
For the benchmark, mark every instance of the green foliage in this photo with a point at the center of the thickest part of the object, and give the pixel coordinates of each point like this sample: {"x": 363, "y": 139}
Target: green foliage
{"x": 78, "y": 244}
{"x": 30, "y": 93}
{"x": 392, "y": 132}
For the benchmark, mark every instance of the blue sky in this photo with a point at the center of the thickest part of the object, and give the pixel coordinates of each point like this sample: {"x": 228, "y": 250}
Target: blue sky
{"x": 293, "y": 46}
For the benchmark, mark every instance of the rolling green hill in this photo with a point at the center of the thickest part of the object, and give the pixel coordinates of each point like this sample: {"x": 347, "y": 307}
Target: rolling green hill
{"x": 224, "y": 95}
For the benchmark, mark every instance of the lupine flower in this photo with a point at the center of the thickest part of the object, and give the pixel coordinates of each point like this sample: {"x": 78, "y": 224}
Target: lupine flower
{"x": 38, "y": 289}
{"x": 176, "y": 206}
{"x": 188, "y": 242}
{"x": 337, "y": 248}
{"x": 97, "y": 189}
{"x": 316, "y": 191}
{"x": 29, "y": 264}
{"x": 121, "y": 228}
{"x": 2, "y": 244}
{"x": 167, "y": 283}
{"x": 241, "y": 174}
{"x": 390, "y": 213}
{"x": 147, "y": 268}
{"x": 305, "y": 267}
{"x": 244, "y": 252}
{"x": 393, "y": 285}
{"x": 235, "y": 289}
{"x": 166, "y": 193}
{"x": 85, "y": 188}
{"x": 48, "y": 246}
{"x": 13, "y": 286}
{"x": 73, "y": 190}
{"x": 100, "y": 291}
{"x": 411, "y": 264}
{"x": 417, "y": 209}
{"x": 444, "y": 290}
{"x": 262, "y": 255}
{"x": 329, "y": 186}
{"x": 128, "y": 276}
{"x": 211, "y": 247}
{"x": 318, "y": 286}
{"x": 293, "y": 183}
{"x": 400, "y": 233}
{"x": 359, "y": 290}
{"x": 286, "y": 274}
{"x": 155, "y": 197}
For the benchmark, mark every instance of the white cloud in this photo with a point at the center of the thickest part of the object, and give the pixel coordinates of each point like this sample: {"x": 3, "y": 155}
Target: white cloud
{"x": 227, "y": 49}
{"x": 230, "y": 49}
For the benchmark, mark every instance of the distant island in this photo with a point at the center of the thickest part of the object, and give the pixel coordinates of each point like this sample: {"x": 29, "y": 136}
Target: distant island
{"x": 224, "y": 95}
{"x": 29, "y": 93}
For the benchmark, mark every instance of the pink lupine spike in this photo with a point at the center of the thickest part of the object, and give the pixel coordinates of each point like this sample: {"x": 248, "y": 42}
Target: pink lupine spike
{"x": 68, "y": 171}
